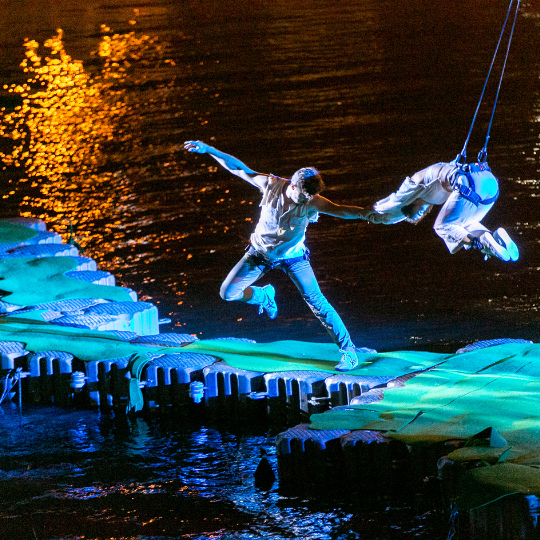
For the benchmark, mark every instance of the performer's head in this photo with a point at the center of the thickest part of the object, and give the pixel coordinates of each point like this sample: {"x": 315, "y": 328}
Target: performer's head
{"x": 305, "y": 184}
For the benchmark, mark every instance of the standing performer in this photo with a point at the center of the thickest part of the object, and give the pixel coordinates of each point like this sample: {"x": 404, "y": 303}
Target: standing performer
{"x": 466, "y": 193}
{"x": 287, "y": 208}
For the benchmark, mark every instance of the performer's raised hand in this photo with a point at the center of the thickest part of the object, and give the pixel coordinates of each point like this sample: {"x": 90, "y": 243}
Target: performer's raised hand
{"x": 196, "y": 146}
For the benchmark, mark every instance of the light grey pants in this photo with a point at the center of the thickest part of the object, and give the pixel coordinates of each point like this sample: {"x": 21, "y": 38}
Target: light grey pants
{"x": 457, "y": 219}
{"x": 251, "y": 267}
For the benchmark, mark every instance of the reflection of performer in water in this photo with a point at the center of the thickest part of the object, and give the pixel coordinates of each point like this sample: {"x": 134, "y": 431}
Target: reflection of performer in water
{"x": 287, "y": 207}
{"x": 466, "y": 193}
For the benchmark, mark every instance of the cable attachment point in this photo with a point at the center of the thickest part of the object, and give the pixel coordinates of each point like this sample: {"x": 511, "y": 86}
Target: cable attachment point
{"x": 461, "y": 159}
{"x": 482, "y": 155}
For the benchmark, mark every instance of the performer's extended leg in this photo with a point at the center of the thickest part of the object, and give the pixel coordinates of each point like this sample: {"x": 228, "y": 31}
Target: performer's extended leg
{"x": 238, "y": 285}
{"x": 301, "y": 273}
{"x": 458, "y": 224}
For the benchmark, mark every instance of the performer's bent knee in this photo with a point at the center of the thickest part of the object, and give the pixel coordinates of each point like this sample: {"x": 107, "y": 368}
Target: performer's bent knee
{"x": 230, "y": 294}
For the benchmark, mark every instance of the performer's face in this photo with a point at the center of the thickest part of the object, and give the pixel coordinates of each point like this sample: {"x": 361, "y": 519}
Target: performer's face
{"x": 302, "y": 185}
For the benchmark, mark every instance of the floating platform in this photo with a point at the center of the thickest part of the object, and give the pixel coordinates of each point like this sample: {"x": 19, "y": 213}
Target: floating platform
{"x": 468, "y": 422}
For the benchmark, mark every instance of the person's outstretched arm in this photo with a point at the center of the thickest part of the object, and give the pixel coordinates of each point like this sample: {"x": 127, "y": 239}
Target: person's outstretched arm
{"x": 325, "y": 206}
{"x": 232, "y": 164}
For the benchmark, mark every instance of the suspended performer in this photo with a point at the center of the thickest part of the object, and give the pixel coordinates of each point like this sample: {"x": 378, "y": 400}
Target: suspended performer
{"x": 287, "y": 208}
{"x": 466, "y": 193}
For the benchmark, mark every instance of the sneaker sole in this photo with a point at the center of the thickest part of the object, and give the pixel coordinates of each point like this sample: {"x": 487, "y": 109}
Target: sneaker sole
{"x": 345, "y": 369}
{"x": 495, "y": 248}
{"x": 501, "y": 234}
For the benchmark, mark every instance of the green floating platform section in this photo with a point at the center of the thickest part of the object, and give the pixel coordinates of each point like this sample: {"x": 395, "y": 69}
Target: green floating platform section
{"x": 453, "y": 396}
{"x": 86, "y": 345}
{"x": 299, "y": 355}
{"x": 93, "y": 345}
{"x": 497, "y": 387}
{"x": 12, "y": 233}
{"x": 30, "y": 281}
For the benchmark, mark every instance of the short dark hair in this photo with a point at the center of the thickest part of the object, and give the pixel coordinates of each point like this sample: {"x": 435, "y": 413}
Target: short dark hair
{"x": 309, "y": 181}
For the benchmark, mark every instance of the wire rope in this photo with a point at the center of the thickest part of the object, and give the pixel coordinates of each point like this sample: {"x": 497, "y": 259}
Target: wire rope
{"x": 482, "y": 155}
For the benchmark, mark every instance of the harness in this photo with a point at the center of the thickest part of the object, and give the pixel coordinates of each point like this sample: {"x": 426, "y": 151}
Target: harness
{"x": 480, "y": 171}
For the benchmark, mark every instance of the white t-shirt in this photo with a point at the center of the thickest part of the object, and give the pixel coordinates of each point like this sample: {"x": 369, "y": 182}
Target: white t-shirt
{"x": 281, "y": 230}
{"x": 437, "y": 181}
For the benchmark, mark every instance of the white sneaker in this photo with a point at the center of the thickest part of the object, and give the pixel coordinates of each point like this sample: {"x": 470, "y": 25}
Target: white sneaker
{"x": 349, "y": 360}
{"x": 490, "y": 247}
{"x": 503, "y": 238}
{"x": 269, "y": 303}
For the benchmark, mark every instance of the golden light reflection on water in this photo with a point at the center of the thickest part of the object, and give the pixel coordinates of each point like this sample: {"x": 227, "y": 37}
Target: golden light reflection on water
{"x": 68, "y": 128}
{"x": 64, "y": 118}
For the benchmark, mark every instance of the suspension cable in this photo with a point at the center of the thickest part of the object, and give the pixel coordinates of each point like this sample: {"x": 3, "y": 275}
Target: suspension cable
{"x": 483, "y": 152}
{"x": 482, "y": 155}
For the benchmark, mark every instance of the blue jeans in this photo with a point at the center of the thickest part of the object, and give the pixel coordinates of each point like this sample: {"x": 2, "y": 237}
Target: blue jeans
{"x": 253, "y": 266}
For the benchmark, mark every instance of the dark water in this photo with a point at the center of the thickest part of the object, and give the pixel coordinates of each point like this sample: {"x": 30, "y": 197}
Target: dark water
{"x": 368, "y": 92}
{"x": 73, "y": 476}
